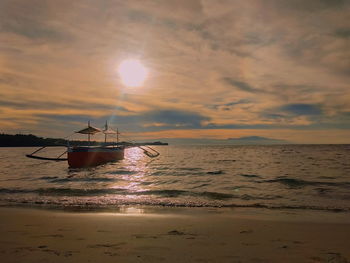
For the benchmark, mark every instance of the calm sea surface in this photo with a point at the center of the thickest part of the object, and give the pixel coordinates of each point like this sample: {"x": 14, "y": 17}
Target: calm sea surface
{"x": 290, "y": 176}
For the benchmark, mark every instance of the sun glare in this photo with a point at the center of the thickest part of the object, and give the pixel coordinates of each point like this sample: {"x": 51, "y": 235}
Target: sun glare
{"x": 132, "y": 73}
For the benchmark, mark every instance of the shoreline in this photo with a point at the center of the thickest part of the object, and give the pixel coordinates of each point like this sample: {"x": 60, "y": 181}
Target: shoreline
{"x": 171, "y": 234}
{"x": 239, "y": 212}
{"x": 120, "y": 207}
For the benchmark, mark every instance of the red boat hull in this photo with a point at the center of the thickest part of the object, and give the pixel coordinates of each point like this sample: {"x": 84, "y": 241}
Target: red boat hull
{"x": 79, "y": 157}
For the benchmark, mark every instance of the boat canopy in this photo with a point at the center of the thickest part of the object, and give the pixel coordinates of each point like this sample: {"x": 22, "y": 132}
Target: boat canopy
{"x": 89, "y": 130}
{"x": 108, "y": 130}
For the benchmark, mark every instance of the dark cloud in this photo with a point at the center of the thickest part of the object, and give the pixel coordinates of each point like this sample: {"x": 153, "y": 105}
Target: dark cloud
{"x": 301, "y": 109}
{"x": 174, "y": 120}
{"x": 150, "y": 121}
{"x": 30, "y": 19}
{"x": 342, "y": 33}
{"x": 229, "y": 105}
{"x": 241, "y": 85}
{"x": 273, "y": 116}
{"x": 174, "y": 117}
{"x": 309, "y": 5}
{"x": 288, "y": 112}
{"x": 34, "y": 30}
{"x": 71, "y": 105}
{"x": 141, "y": 17}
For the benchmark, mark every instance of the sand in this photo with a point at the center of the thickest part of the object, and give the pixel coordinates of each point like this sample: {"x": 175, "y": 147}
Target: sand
{"x": 173, "y": 235}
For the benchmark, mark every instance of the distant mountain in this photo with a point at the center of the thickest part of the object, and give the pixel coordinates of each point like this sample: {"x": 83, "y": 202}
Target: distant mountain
{"x": 17, "y": 140}
{"x": 248, "y": 140}
{"x": 256, "y": 140}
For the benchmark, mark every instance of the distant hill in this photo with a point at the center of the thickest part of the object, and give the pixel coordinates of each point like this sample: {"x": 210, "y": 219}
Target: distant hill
{"x": 256, "y": 140}
{"x": 249, "y": 140}
{"x": 27, "y": 140}
{"x": 17, "y": 140}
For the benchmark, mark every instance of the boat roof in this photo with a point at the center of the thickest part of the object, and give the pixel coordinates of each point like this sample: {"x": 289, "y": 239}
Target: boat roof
{"x": 92, "y": 130}
{"x": 108, "y": 130}
{"x": 89, "y": 130}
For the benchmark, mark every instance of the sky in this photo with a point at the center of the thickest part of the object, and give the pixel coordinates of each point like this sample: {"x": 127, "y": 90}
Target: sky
{"x": 217, "y": 69}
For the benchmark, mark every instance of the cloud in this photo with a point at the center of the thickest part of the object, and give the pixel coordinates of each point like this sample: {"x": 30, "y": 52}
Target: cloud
{"x": 150, "y": 121}
{"x": 72, "y": 105}
{"x": 342, "y": 33}
{"x": 301, "y": 109}
{"x": 228, "y": 105}
{"x": 175, "y": 118}
{"x": 241, "y": 85}
{"x": 30, "y": 19}
{"x": 311, "y": 6}
{"x": 213, "y": 65}
{"x": 34, "y": 30}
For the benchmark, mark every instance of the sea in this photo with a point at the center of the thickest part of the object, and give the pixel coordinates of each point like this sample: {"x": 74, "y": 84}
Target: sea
{"x": 307, "y": 177}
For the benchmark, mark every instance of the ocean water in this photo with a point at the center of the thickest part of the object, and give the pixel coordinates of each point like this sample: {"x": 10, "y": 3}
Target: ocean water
{"x": 315, "y": 177}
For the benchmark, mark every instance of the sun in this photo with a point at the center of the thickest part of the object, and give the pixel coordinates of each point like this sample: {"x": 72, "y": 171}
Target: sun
{"x": 132, "y": 73}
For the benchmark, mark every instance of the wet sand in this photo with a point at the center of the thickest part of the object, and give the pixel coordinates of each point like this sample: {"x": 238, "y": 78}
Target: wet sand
{"x": 173, "y": 235}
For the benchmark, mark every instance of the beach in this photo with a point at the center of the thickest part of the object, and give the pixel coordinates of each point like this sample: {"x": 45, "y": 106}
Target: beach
{"x": 160, "y": 234}
{"x": 244, "y": 204}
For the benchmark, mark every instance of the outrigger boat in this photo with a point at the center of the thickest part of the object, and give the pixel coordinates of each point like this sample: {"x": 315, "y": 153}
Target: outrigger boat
{"x": 88, "y": 156}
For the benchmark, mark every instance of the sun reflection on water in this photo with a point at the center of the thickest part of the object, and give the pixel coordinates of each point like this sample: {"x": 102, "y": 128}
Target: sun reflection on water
{"x": 135, "y": 171}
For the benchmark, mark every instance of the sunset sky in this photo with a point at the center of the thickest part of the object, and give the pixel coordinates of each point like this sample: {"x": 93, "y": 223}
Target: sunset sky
{"x": 215, "y": 68}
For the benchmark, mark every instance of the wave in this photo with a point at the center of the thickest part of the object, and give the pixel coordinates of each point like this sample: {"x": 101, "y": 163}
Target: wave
{"x": 216, "y": 172}
{"x": 115, "y": 191}
{"x": 164, "y": 193}
{"x": 56, "y": 179}
{"x": 122, "y": 172}
{"x": 250, "y": 175}
{"x": 91, "y": 179}
{"x": 92, "y": 204}
{"x": 297, "y": 183}
{"x": 62, "y": 191}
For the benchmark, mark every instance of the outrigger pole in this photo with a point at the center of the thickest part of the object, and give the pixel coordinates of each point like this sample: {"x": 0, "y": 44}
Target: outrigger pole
{"x": 57, "y": 159}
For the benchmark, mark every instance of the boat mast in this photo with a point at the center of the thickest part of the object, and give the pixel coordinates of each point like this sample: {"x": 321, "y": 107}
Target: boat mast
{"x": 106, "y": 128}
{"x": 107, "y": 131}
{"x": 89, "y": 133}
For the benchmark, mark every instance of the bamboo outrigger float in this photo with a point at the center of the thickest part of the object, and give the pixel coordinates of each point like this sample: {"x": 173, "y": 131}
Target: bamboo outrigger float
{"x": 88, "y": 156}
